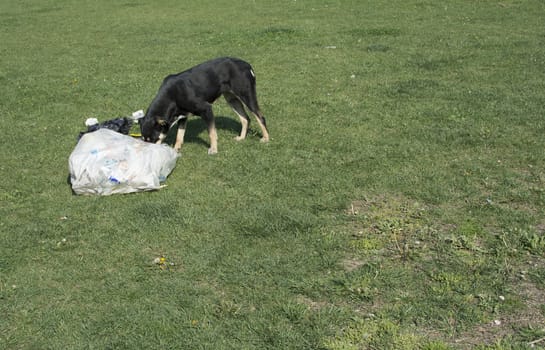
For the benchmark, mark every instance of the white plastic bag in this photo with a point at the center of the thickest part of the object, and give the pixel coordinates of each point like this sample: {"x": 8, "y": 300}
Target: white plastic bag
{"x": 105, "y": 162}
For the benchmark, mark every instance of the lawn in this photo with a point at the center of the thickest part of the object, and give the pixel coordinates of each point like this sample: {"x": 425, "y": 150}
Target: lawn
{"x": 400, "y": 203}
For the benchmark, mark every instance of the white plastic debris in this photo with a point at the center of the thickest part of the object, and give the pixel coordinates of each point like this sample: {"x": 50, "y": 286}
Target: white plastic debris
{"x": 134, "y": 116}
{"x": 91, "y": 121}
{"x": 137, "y": 115}
{"x": 105, "y": 162}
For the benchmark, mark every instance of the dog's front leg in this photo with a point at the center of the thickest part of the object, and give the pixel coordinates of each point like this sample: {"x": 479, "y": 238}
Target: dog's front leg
{"x": 180, "y": 134}
{"x": 208, "y": 117}
{"x": 213, "y": 137}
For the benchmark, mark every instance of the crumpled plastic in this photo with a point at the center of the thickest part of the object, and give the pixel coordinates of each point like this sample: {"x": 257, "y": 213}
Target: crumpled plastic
{"x": 105, "y": 162}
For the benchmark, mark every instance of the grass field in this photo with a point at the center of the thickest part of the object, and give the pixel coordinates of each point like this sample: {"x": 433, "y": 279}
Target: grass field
{"x": 399, "y": 205}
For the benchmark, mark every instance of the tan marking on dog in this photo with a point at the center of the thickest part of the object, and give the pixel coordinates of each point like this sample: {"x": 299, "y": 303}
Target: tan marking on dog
{"x": 244, "y": 129}
{"x": 264, "y": 131}
{"x": 161, "y": 138}
{"x": 213, "y": 140}
{"x": 179, "y": 139}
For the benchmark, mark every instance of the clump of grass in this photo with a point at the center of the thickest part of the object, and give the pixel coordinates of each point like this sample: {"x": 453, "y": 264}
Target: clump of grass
{"x": 375, "y": 333}
{"x": 409, "y": 269}
{"x": 396, "y": 224}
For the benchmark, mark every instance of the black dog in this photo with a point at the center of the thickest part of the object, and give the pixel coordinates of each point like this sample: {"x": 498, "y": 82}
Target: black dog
{"x": 193, "y": 91}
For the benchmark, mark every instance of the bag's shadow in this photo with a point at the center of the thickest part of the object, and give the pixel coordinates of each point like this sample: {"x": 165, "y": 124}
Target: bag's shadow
{"x": 195, "y": 126}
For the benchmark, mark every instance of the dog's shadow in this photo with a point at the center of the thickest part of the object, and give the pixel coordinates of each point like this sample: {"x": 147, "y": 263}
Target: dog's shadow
{"x": 195, "y": 126}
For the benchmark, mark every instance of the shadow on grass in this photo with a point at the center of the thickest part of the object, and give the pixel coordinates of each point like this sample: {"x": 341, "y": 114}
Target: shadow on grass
{"x": 195, "y": 126}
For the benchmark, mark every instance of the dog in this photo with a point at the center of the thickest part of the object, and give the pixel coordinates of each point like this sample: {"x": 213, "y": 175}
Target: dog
{"x": 193, "y": 91}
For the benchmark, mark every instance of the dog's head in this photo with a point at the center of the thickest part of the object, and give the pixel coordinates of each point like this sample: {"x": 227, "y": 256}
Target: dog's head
{"x": 152, "y": 127}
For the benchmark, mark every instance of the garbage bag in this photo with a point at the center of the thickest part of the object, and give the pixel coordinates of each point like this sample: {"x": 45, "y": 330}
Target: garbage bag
{"x": 105, "y": 162}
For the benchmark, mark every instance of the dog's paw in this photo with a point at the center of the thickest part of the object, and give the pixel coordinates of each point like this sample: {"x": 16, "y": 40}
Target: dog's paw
{"x": 239, "y": 138}
{"x": 264, "y": 139}
{"x": 212, "y": 151}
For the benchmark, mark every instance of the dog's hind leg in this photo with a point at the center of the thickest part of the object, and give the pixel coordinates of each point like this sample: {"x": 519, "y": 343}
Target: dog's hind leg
{"x": 251, "y": 103}
{"x": 262, "y": 124}
{"x": 249, "y": 98}
{"x": 238, "y": 107}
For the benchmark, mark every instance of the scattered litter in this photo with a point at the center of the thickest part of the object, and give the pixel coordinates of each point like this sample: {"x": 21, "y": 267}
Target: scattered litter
{"x": 163, "y": 263}
{"x": 61, "y": 242}
{"x": 159, "y": 261}
{"x": 137, "y": 115}
{"x": 122, "y": 125}
{"x": 91, "y": 121}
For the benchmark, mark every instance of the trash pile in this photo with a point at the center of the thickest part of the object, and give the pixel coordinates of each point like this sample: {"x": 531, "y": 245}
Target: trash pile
{"x": 107, "y": 161}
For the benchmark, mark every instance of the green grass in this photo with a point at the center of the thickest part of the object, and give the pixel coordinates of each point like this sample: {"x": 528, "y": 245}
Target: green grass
{"x": 399, "y": 204}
